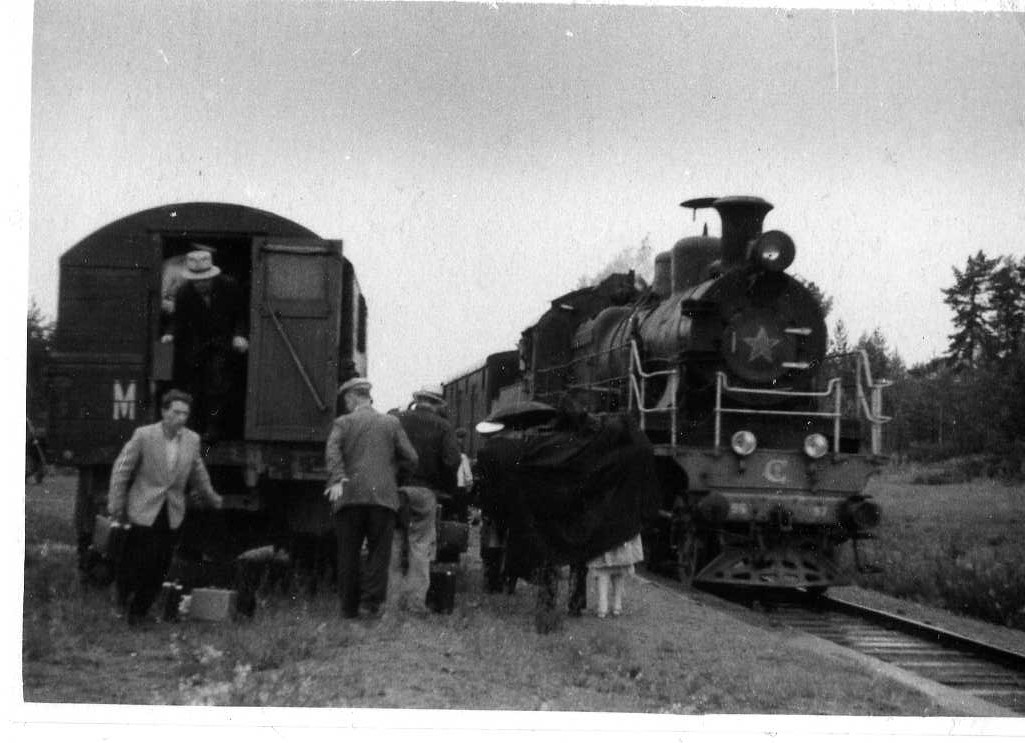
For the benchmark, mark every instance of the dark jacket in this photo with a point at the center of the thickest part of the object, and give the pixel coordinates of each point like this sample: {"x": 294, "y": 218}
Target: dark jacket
{"x": 369, "y": 449}
{"x": 197, "y": 326}
{"x": 569, "y": 495}
{"x": 434, "y": 439}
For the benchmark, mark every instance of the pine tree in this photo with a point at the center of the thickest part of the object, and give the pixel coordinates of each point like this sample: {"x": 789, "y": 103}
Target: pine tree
{"x": 39, "y": 334}
{"x": 1007, "y": 303}
{"x": 973, "y": 337}
{"x": 884, "y": 362}
{"x": 840, "y": 343}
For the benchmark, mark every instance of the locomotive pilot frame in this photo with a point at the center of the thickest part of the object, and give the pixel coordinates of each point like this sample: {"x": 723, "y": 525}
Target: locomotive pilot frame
{"x": 307, "y": 327}
{"x": 763, "y": 444}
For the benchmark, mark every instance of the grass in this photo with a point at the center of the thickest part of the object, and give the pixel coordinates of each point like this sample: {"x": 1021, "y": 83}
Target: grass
{"x": 955, "y": 546}
{"x": 666, "y": 655}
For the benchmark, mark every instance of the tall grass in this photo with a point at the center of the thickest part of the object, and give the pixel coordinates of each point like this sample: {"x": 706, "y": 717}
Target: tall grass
{"x": 955, "y": 546}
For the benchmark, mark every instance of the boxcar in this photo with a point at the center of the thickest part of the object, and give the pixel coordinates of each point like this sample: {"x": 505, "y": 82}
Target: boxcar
{"x": 307, "y": 331}
{"x": 471, "y": 395}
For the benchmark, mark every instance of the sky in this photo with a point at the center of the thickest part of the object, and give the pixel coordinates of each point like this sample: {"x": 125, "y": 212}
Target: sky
{"x": 477, "y": 160}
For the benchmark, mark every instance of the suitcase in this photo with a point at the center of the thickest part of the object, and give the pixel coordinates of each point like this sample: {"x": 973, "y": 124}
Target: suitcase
{"x": 110, "y": 538}
{"x": 453, "y": 537}
{"x": 213, "y": 604}
{"x": 169, "y": 600}
{"x": 441, "y": 594}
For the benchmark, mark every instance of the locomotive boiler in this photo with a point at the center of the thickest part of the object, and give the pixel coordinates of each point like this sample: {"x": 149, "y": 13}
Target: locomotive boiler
{"x": 763, "y": 443}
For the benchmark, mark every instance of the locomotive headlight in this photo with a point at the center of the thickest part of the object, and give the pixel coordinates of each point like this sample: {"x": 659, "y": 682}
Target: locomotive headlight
{"x": 816, "y": 446}
{"x": 773, "y": 251}
{"x": 743, "y": 443}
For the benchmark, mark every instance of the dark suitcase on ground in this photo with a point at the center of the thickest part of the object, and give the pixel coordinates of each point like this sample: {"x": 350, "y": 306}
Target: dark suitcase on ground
{"x": 169, "y": 600}
{"x": 441, "y": 595}
{"x": 110, "y": 538}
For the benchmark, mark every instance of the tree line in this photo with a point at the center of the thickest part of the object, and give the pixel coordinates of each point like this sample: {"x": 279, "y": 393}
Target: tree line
{"x": 970, "y": 401}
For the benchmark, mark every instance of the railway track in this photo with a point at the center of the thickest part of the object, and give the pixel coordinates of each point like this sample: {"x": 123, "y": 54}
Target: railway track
{"x": 993, "y": 674}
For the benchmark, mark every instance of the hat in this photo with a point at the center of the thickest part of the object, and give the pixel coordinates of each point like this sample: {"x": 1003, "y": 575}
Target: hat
{"x": 356, "y": 383}
{"x": 526, "y": 414}
{"x": 199, "y": 264}
{"x": 486, "y": 428}
{"x": 433, "y": 394}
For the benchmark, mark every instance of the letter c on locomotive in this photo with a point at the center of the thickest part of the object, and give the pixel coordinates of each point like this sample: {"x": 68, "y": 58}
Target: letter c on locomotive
{"x": 775, "y": 471}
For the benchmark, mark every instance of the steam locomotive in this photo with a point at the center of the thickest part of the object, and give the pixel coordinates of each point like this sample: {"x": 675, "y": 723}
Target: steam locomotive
{"x": 763, "y": 443}
{"x": 108, "y": 368}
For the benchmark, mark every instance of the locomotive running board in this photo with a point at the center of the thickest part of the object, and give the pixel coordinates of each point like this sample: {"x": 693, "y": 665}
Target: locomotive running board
{"x": 780, "y": 567}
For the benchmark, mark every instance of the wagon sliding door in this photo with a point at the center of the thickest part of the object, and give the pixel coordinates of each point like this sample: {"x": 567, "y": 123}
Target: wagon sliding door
{"x": 296, "y": 304}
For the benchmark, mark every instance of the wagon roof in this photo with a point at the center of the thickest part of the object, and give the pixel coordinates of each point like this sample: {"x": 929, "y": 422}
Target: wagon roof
{"x": 189, "y": 217}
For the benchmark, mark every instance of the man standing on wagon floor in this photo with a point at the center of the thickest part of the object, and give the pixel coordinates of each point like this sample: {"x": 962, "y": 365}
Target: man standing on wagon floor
{"x": 208, "y": 329}
{"x": 147, "y": 490}
{"x": 364, "y": 455}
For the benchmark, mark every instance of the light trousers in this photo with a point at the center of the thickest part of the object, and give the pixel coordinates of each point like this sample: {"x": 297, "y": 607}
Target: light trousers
{"x": 413, "y": 552}
{"x": 606, "y": 578}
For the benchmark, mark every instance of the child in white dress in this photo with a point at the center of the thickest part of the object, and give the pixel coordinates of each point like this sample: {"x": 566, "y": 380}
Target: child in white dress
{"x": 610, "y": 569}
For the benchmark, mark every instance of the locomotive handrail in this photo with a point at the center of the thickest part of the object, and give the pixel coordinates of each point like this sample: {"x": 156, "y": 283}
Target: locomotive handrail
{"x": 833, "y": 388}
{"x": 637, "y": 369}
{"x": 873, "y": 415}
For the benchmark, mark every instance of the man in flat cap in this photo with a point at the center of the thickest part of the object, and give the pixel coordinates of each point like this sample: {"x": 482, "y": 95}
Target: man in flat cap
{"x": 433, "y": 481}
{"x": 365, "y": 454}
{"x": 208, "y": 328}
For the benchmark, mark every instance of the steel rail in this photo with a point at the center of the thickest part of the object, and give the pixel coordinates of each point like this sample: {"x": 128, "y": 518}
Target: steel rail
{"x": 948, "y": 638}
{"x": 988, "y": 672}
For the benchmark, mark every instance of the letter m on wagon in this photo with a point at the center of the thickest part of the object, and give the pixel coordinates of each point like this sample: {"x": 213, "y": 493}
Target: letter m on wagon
{"x": 124, "y": 400}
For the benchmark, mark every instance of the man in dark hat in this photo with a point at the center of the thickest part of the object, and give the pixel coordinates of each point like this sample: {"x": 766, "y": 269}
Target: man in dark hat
{"x": 364, "y": 456}
{"x": 433, "y": 481}
{"x": 209, "y": 332}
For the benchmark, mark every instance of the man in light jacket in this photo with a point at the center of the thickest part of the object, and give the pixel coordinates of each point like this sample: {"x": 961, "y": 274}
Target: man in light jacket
{"x": 147, "y": 490}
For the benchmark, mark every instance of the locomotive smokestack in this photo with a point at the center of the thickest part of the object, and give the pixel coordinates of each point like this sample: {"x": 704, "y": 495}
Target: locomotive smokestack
{"x": 742, "y": 218}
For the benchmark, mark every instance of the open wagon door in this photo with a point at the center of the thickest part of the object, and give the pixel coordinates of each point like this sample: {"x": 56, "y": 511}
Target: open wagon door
{"x": 293, "y": 355}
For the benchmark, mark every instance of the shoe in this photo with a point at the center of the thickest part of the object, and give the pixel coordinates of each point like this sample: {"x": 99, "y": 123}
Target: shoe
{"x": 617, "y": 612}
{"x": 602, "y": 614}
{"x": 141, "y": 621}
{"x": 371, "y": 612}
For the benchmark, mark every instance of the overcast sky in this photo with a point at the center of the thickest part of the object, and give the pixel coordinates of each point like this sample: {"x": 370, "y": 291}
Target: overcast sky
{"x": 478, "y": 160}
